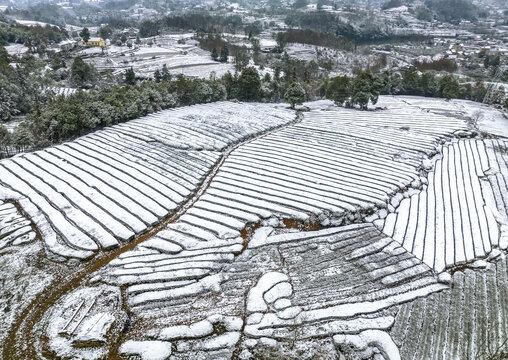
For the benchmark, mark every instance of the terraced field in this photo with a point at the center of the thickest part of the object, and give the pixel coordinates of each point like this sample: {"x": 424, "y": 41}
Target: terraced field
{"x": 105, "y": 188}
{"x": 245, "y": 231}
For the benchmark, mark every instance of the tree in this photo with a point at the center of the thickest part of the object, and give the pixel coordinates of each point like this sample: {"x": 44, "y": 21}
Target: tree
{"x": 298, "y": 4}
{"x": 249, "y": 84}
{"x": 449, "y": 87}
{"x": 57, "y": 63}
{"x": 85, "y": 34}
{"x": 166, "y": 76}
{"x": 282, "y": 39}
{"x": 157, "y": 76}
{"x": 8, "y": 106}
{"x": 411, "y": 83}
{"x": 5, "y": 139}
{"x": 241, "y": 60}
{"x": 224, "y": 54}
{"x": 295, "y": 94}
{"x": 4, "y": 55}
{"x": 82, "y": 74}
{"x": 391, "y": 4}
{"x": 339, "y": 90}
{"x": 363, "y": 90}
{"x": 123, "y": 38}
{"x": 105, "y": 32}
{"x": 215, "y": 55}
{"x": 130, "y": 77}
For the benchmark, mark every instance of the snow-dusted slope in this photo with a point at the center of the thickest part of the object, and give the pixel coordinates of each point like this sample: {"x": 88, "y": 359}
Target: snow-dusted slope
{"x": 106, "y": 187}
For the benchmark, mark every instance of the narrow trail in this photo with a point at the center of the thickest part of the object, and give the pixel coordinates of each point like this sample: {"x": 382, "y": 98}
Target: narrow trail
{"x": 20, "y": 343}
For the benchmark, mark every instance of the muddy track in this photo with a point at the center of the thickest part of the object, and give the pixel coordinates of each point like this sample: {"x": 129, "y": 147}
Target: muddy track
{"x": 20, "y": 341}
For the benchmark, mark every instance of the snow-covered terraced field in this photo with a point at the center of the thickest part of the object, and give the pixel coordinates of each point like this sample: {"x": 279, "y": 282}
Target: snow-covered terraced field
{"x": 377, "y": 234}
{"x": 468, "y": 321}
{"x": 105, "y": 188}
{"x": 318, "y": 172}
{"x": 453, "y": 220}
{"x": 285, "y": 300}
{"x": 15, "y": 229}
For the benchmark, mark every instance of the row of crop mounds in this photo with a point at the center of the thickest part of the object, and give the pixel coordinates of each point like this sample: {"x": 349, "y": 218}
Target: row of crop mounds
{"x": 106, "y": 187}
{"x": 468, "y": 321}
{"x": 332, "y": 166}
{"x": 286, "y": 287}
{"x": 457, "y": 218}
{"x": 15, "y": 229}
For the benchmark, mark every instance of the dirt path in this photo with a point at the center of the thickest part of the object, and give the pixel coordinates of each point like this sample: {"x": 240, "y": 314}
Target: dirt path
{"x": 20, "y": 343}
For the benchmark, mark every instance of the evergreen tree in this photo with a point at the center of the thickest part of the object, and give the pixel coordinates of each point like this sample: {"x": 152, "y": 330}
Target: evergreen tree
{"x": 130, "y": 77}
{"x": 411, "y": 83}
{"x": 83, "y": 74}
{"x": 449, "y": 87}
{"x": 166, "y": 76}
{"x": 224, "y": 53}
{"x": 157, "y": 76}
{"x": 339, "y": 90}
{"x": 429, "y": 85}
{"x": 249, "y": 84}
{"x": 215, "y": 55}
{"x": 85, "y": 34}
{"x": 295, "y": 94}
{"x": 5, "y": 140}
{"x": 362, "y": 90}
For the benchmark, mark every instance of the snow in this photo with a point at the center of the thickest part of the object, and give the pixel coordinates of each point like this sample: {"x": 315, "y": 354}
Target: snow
{"x": 147, "y": 350}
{"x": 371, "y": 338}
{"x": 196, "y": 330}
{"x": 95, "y": 329}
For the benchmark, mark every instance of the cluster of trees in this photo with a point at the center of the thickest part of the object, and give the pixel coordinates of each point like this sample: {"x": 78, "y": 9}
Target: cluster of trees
{"x": 442, "y": 64}
{"x": 36, "y": 38}
{"x": 224, "y": 54}
{"x": 20, "y": 86}
{"x": 453, "y": 11}
{"x": 360, "y": 30}
{"x": 365, "y": 87}
{"x": 312, "y": 37}
{"x": 198, "y": 21}
{"x": 66, "y": 117}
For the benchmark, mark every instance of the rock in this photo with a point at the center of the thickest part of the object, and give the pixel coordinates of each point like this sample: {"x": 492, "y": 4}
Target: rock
{"x": 146, "y": 350}
{"x": 281, "y": 290}
{"x": 289, "y": 313}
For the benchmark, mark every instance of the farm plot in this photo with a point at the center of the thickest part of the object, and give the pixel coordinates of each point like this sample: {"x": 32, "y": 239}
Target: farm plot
{"x": 15, "y": 229}
{"x": 180, "y": 59}
{"x": 453, "y": 220}
{"x": 289, "y": 286}
{"x": 320, "y": 172}
{"x": 105, "y": 188}
{"x": 468, "y": 321}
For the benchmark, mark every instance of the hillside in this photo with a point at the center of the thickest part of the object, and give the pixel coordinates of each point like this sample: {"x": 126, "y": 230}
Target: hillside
{"x": 247, "y": 230}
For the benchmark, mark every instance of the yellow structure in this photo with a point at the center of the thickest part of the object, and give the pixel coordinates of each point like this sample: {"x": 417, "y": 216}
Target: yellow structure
{"x": 94, "y": 42}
